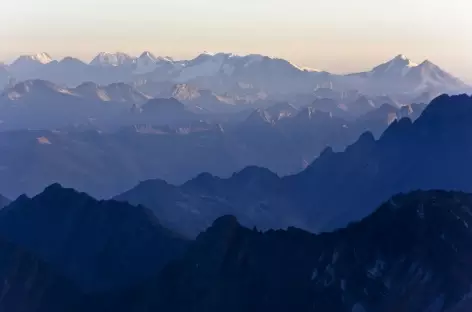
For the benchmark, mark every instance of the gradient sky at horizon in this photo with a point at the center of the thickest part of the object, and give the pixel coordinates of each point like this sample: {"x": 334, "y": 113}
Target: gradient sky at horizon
{"x": 336, "y": 35}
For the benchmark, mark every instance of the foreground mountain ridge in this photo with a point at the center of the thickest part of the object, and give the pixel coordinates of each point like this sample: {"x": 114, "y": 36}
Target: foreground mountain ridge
{"x": 368, "y": 266}
{"x": 409, "y": 255}
{"x": 99, "y": 245}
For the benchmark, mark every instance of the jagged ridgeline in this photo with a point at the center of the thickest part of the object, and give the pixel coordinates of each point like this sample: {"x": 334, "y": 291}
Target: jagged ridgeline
{"x": 432, "y": 152}
{"x": 411, "y": 254}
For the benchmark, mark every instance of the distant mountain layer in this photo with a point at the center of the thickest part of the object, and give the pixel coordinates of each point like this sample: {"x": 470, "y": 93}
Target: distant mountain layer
{"x": 226, "y": 72}
{"x": 282, "y": 138}
{"x": 400, "y": 74}
{"x": 337, "y": 188}
{"x": 409, "y": 255}
{"x": 40, "y": 104}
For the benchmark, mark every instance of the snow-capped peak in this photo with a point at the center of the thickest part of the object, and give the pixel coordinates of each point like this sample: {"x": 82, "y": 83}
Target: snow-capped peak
{"x": 146, "y": 55}
{"x": 148, "y": 62}
{"x": 42, "y": 58}
{"x": 112, "y": 59}
{"x": 401, "y": 57}
{"x": 400, "y": 65}
{"x": 402, "y": 60}
{"x": 209, "y": 53}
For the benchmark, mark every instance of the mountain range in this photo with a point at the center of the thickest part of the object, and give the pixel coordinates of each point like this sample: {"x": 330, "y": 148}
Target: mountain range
{"x": 163, "y": 138}
{"x": 230, "y": 73}
{"x": 40, "y": 104}
{"x": 368, "y": 266}
{"x": 337, "y": 188}
{"x": 300, "y": 209}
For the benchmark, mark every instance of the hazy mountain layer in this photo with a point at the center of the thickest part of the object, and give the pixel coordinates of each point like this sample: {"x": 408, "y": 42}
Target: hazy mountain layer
{"x": 338, "y": 187}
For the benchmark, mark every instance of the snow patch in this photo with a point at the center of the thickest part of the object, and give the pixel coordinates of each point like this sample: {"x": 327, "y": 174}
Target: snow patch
{"x": 112, "y": 59}
{"x": 43, "y": 140}
{"x": 207, "y": 68}
{"x": 330, "y": 280}
{"x": 376, "y": 270}
{"x": 420, "y": 211}
{"x": 304, "y": 68}
{"x": 42, "y": 58}
{"x": 335, "y": 257}
{"x": 393, "y": 203}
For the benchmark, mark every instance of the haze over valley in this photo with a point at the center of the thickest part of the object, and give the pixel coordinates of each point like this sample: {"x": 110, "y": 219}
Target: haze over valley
{"x": 243, "y": 181}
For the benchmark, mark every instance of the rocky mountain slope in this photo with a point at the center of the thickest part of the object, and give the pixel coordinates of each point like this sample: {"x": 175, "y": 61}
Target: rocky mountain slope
{"x": 368, "y": 266}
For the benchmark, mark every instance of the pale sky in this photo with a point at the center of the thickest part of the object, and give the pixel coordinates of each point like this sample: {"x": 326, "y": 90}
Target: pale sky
{"x": 334, "y": 35}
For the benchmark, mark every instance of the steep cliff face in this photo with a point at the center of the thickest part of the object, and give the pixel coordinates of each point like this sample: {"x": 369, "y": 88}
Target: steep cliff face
{"x": 410, "y": 255}
{"x": 27, "y": 284}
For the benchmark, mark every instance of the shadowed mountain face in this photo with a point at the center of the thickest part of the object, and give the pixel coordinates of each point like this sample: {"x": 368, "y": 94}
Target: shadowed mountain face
{"x": 100, "y": 245}
{"x": 411, "y": 254}
{"x": 251, "y": 195}
{"x": 337, "y": 188}
{"x": 31, "y": 285}
{"x": 3, "y": 201}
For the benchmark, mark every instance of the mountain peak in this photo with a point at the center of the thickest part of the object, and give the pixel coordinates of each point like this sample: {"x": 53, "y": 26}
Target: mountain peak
{"x": 209, "y": 53}
{"x": 402, "y": 60}
{"x": 147, "y": 54}
{"x": 108, "y": 244}
{"x": 448, "y": 109}
{"x": 42, "y": 58}
{"x": 111, "y": 59}
{"x": 259, "y": 115}
{"x": 428, "y": 64}
{"x": 71, "y": 60}
{"x": 401, "y": 57}
{"x": 54, "y": 188}
{"x": 28, "y": 86}
{"x": 225, "y": 222}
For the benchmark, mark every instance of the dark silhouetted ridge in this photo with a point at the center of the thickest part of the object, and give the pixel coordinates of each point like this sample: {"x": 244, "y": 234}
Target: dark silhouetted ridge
{"x": 100, "y": 245}
{"x": 401, "y": 258}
